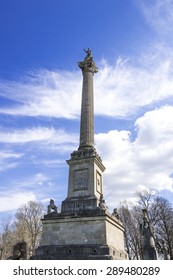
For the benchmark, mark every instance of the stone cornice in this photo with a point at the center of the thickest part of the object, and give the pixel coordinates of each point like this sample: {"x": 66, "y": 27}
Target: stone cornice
{"x": 85, "y": 153}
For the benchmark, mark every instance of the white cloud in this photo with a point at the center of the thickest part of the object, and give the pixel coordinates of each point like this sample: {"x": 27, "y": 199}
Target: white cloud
{"x": 159, "y": 13}
{"x": 122, "y": 88}
{"x": 30, "y": 181}
{"x": 30, "y": 187}
{"x": 49, "y": 135}
{"x": 11, "y": 202}
{"x": 50, "y": 162}
{"x": 44, "y": 93}
{"x": 8, "y": 154}
{"x": 9, "y": 160}
{"x": 146, "y": 161}
{"x": 152, "y": 126}
{"x": 39, "y": 146}
{"x": 22, "y": 190}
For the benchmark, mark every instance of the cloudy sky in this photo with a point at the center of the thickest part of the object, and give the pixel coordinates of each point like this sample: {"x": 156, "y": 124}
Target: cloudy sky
{"x": 40, "y": 96}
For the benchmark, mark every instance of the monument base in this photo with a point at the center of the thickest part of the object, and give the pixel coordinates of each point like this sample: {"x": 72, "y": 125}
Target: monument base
{"x": 78, "y": 252}
{"x": 81, "y": 236}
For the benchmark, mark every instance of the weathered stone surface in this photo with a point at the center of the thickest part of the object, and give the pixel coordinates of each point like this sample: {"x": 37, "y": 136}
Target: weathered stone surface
{"x": 92, "y": 237}
{"x": 87, "y": 108}
{"x": 78, "y": 252}
{"x": 86, "y": 180}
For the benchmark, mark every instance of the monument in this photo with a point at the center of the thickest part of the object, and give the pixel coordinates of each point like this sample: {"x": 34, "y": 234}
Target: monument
{"x": 148, "y": 240}
{"x": 84, "y": 229}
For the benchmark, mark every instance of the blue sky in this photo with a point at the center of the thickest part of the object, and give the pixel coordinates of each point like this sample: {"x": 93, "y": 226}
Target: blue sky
{"x": 40, "y": 96}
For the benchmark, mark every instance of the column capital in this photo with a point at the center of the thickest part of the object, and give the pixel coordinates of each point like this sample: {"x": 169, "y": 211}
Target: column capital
{"x": 88, "y": 64}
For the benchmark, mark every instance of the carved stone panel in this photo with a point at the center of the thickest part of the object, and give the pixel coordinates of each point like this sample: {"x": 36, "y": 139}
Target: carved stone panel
{"x": 99, "y": 182}
{"x": 81, "y": 179}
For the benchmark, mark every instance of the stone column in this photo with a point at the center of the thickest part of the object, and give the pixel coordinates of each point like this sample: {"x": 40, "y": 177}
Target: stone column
{"x": 87, "y": 108}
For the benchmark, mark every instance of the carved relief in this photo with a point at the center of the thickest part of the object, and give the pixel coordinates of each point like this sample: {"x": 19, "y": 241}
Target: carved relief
{"x": 99, "y": 182}
{"x": 81, "y": 179}
{"x": 85, "y": 153}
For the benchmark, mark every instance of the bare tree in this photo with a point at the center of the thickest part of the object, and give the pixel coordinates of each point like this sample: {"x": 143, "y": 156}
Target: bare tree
{"x": 28, "y": 224}
{"x": 160, "y": 215}
{"x": 6, "y": 239}
{"x": 131, "y": 231}
{"x": 164, "y": 225}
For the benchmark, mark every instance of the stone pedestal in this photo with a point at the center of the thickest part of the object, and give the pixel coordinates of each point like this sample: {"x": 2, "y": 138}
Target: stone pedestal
{"x": 85, "y": 235}
{"x": 85, "y": 184}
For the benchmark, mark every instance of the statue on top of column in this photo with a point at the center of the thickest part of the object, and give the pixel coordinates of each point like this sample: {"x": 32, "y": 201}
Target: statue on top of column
{"x": 88, "y": 63}
{"x": 89, "y": 53}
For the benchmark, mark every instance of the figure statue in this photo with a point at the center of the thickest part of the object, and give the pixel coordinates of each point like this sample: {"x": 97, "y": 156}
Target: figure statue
{"x": 88, "y": 63}
{"x": 115, "y": 214}
{"x": 89, "y": 53}
{"x": 166, "y": 256}
{"x": 147, "y": 232}
{"x": 51, "y": 208}
{"x": 102, "y": 203}
{"x": 19, "y": 251}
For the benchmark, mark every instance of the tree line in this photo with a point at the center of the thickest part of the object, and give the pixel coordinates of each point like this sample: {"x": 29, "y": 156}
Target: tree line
{"x": 27, "y": 226}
